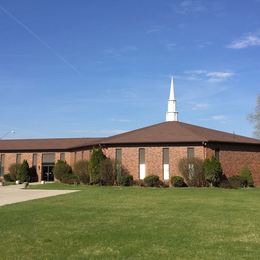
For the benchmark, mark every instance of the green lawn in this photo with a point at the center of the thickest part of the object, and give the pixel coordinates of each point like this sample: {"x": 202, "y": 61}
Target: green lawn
{"x": 144, "y": 223}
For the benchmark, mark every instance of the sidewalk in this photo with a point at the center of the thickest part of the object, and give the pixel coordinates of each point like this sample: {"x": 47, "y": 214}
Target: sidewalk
{"x": 15, "y": 193}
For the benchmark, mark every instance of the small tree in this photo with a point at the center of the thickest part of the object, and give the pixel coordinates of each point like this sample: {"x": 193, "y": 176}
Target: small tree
{"x": 213, "y": 171}
{"x": 97, "y": 156}
{"x": 23, "y": 172}
{"x": 61, "y": 170}
{"x": 192, "y": 171}
{"x": 81, "y": 169}
{"x": 13, "y": 170}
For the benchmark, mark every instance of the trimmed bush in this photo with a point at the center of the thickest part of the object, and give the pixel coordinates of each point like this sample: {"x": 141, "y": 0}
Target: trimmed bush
{"x": 235, "y": 181}
{"x": 152, "y": 181}
{"x": 70, "y": 178}
{"x": 177, "y": 181}
{"x": 62, "y": 170}
{"x": 192, "y": 171}
{"x": 126, "y": 180}
{"x": 23, "y": 172}
{"x": 107, "y": 172}
{"x": 97, "y": 156}
{"x": 81, "y": 169}
{"x": 13, "y": 170}
{"x": 246, "y": 178}
{"x": 212, "y": 171}
{"x": 7, "y": 177}
{"x": 224, "y": 182}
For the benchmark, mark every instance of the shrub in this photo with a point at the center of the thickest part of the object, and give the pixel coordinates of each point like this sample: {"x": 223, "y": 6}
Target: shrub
{"x": 177, "y": 181}
{"x": 13, "y": 170}
{"x": 152, "y": 181}
{"x": 7, "y": 177}
{"x": 192, "y": 171}
{"x": 235, "y": 181}
{"x": 61, "y": 170}
{"x": 224, "y": 182}
{"x": 70, "y": 178}
{"x": 81, "y": 169}
{"x": 107, "y": 172}
{"x": 212, "y": 171}
{"x": 23, "y": 172}
{"x": 97, "y": 156}
{"x": 246, "y": 178}
{"x": 126, "y": 180}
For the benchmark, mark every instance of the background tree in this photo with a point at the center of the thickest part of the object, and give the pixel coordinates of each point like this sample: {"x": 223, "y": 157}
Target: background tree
{"x": 254, "y": 118}
{"x": 13, "y": 170}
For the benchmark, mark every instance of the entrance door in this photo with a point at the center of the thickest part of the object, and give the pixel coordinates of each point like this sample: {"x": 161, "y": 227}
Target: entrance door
{"x": 47, "y": 172}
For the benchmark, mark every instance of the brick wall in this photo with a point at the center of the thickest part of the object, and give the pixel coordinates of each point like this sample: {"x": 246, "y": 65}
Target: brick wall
{"x": 153, "y": 159}
{"x": 233, "y": 158}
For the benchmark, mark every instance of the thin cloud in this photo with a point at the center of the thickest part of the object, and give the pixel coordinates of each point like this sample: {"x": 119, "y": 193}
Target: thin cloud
{"x": 212, "y": 76}
{"x": 200, "y": 106}
{"x": 190, "y": 6}
{"x": 246, "y": 41}
{"x": 120, "y": 120}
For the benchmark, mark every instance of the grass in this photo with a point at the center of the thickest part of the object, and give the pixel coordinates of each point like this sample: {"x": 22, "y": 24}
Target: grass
{"x": 134, "y": 223}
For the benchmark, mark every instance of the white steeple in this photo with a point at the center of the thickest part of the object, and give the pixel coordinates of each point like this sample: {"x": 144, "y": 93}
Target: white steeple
{"x": 172, "y": 114}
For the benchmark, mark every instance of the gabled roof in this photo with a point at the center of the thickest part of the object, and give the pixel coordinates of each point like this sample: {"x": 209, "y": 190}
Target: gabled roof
{"x": 176, "y": 132}
{"x": 46, "y": 144}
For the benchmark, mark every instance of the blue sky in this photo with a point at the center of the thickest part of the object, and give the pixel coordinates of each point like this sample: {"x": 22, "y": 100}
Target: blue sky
{"x": 100, "y": 67}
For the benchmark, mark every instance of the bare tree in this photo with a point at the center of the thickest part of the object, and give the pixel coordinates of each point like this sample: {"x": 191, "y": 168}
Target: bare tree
{"x": 254, "y": 118}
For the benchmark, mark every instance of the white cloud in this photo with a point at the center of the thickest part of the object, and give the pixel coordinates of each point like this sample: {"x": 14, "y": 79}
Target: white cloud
{"x": 200, "y": 106}
{"x": 170, "y": 46}
{"x": 219, "y": 75}
{"x": 245, "y": 42}
{"x": 219, "y": 118}
{"x": 213, "y": 76}
{"x": 190, "y": 6}
{"x": 155, "y": 29}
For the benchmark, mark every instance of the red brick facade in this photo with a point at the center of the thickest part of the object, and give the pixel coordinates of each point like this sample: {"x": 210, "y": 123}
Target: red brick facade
{"x": 232, "y": 157}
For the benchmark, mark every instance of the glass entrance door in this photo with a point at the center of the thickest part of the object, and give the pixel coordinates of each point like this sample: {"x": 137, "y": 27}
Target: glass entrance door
{"x": 47, "y": 172}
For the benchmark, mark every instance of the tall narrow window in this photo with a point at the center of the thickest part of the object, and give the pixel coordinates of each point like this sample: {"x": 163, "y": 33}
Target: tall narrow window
{"x": 18, "y": 158}
{"x": 75, "y": 157}
{"x": 217, "y": 154}
{"x": 82, "y": 155}
{"x": 142, "y": 163}
{"x": 62, "y": 157}
{"x": 118, "y": 162}
{"x": 2, "y": 164}
{"x": 190, "y": 152}
{"x": 166, "y": 170}
{"x": 34, "y": 160}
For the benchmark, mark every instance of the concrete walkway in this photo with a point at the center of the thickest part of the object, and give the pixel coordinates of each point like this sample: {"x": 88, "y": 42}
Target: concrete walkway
{"x": 15, "y": 193}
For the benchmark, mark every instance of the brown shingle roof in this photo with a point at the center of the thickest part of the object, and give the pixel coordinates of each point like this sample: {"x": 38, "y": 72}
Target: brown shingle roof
{"x": 46, "y": 144}
{"x": 176, "y": 132}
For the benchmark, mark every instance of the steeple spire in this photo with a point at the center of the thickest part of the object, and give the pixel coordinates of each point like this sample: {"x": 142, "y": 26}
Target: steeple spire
{"x": 172, "y": 114}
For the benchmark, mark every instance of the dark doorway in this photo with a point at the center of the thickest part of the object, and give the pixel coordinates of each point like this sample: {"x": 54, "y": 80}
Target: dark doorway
{"x": 47, "y": 172}
{"x": 48, "y": 162}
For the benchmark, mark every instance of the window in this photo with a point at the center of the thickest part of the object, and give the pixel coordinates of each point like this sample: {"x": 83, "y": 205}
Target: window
{"x": 82, "y": 155}
{"x": 119, "y": 155}
{"x": 118, "y": 162}
{"x": 18, "y": 158}
{"x": 142, "y": 163}
{"x": 48, "y": 158}
{"x": 75, "y": 157}
{"x": 190, "y": 152}
{"x": 2, "y": 164}
{"x": 62, "y": 157}
{"x": 34, "y": 160}
{"x": 217, "y": 154}
{"x": 166, "y": 172}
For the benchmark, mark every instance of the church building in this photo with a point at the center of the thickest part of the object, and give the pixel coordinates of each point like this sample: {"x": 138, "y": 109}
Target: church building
{"x": 152, "y": 150}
